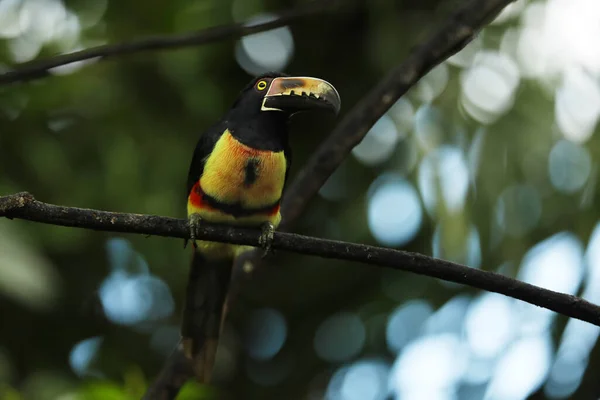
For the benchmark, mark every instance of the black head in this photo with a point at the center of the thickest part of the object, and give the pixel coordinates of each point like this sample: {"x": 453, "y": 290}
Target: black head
{"x": 279, "y": 93}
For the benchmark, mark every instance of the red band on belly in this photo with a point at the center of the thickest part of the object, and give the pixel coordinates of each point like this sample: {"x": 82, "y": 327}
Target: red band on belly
{"x": 201, "y": 200}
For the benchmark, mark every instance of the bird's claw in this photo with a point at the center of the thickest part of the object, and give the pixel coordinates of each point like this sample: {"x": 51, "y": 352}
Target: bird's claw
{"x": 194, "y": 222}
{"x": 265, "y": 239}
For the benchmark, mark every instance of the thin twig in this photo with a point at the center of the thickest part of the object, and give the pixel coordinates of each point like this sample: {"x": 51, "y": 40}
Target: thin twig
{"x": 24, "y": 206}
{"x": 39, "y": 69}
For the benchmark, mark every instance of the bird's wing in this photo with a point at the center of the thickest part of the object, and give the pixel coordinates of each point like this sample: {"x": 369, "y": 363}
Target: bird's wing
{"x": 204, "y": 147}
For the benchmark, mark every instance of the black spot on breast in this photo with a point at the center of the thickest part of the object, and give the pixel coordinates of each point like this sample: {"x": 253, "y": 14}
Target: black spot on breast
{"x": 251, "y": 171}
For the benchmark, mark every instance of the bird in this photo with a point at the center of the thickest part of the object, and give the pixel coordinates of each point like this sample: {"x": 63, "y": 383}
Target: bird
{"x": 237, "y": 176}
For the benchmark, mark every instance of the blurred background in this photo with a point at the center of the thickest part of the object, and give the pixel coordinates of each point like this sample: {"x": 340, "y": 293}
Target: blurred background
{"x": 491, "y": 161}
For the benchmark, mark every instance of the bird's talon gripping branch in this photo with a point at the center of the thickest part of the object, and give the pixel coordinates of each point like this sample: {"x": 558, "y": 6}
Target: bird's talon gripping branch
{"x": 266, "y": 237}
{"x": 194, "y": 222}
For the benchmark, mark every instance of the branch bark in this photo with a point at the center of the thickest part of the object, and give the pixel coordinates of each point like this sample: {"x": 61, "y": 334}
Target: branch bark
{"x": 39, "y": 69}
{"x": 24, "y": 206}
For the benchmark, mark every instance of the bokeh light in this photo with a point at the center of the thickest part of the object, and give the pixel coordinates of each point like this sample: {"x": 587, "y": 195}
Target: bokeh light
{"x": 565, "y": 376}
{"x": 340, "y": 337}
{"x": 433, "y": 84}
{"x": 363, "y": 380}
{"x": 394, "y": 210}
{"x": 429, "y": 366}
{"x": 450, "y": 317}
{"x": 378, "y": 144}
{"x": 474, "y": 155}
{"x": 577, "y": 106}
{"x": 579, "y": 338}
{"x": 265, "y": 51}
{"x": 460, "y": 248}
{"x": 557, "y": 34}
{"x": 130, "y": 294}
{"x": 518, "y": 210}
{"x": 129, "y": 300}
{"x": 489, "y": 85}
{"x": 26, "y": 276}
{"x": 403, "y": 115}
{"x": 569, "y": 166}
{"x": 521, "y": 369}
{"x": 265, "y": 334}
{"x": 429, "y": 127}
{"x": 592, "y": 258}
{"x": 83, "y": 355}
{"x": 510, "y": 12}
{"x": 122, "y": 257}
{"x": 444, "y": 178}
{"x": 32, "y": 24}
{"x": 406, "y": 323}
{"x": 489, "y": 325}
{"x": 465, "y": 57}
{"x": 556, "y": 264}
{"x": 11, "y": 25}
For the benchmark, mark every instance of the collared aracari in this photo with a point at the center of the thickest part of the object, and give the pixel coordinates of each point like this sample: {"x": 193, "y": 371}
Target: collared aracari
{"x": 237, "y": 176}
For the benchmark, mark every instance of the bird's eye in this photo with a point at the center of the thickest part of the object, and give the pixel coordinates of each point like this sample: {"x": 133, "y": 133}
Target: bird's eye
{"x": 261, "y": 85}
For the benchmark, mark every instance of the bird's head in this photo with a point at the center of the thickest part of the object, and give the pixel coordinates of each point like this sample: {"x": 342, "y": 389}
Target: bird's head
{"x": 279, "y": 93}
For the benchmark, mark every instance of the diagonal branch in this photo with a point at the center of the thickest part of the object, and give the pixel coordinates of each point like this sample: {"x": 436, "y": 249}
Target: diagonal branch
{"x": 456, "y": 33}
{"x": 39, "y": 69}
{"x": 24, "y": 206}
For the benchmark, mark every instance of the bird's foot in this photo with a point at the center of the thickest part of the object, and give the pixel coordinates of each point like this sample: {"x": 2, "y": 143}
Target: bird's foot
{"x": 194, "y": 222}
{"x": 266, "y": 237}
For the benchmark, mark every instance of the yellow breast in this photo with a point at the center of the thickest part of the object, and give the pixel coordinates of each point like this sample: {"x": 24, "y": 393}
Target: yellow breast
{"x": 235, "y": 173}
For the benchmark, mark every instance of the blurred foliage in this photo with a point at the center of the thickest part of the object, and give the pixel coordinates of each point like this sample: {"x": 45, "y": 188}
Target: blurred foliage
{"x": 463, "y": 158}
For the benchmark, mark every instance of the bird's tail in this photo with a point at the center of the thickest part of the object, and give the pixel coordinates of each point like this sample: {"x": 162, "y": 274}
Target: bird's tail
{"x": 205, "y": 298}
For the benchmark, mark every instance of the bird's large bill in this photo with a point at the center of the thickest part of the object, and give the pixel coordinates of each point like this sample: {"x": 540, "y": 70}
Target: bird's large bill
{"x": 301, "y": 93}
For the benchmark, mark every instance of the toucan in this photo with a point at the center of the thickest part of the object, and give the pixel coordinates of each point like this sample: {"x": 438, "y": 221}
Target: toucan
{"x": 237, "y": 176}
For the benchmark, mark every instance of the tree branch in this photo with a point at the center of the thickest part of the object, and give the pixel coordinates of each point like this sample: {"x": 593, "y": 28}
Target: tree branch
{"x": 24, "y": 206}
{"x": 39, "y": 69}
{"x": 455, "y": 34}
